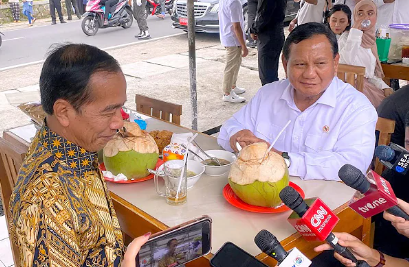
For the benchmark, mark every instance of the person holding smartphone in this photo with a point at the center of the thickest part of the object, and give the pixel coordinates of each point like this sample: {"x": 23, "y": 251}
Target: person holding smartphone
{"x": 133, "y": 250}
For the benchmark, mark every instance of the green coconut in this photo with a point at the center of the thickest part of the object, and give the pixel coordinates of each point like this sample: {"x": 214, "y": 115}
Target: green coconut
{"x": 258, "y": 182}
{"x": 131, "y": 152}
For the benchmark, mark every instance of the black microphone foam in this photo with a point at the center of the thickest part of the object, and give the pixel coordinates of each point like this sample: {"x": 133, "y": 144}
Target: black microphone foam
{"x": 354, "y": 178}
{"x": 269, "y": 244}
{"x": 384, "y": 153}
{"x": 292, "y": 199}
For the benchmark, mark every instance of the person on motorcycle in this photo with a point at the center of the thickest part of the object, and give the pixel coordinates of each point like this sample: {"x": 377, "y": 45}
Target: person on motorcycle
{"x": 108, "y": 5}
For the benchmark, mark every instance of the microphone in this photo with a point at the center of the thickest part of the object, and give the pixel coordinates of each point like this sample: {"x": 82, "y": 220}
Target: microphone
{"x": 316, "y": 212}
{"x": 269, "y": 244}
{"x": 377, "y": 197}
{"x": 393, "y": 157}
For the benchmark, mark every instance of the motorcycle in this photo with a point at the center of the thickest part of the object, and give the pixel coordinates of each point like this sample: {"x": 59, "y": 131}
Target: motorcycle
{"x": 94, "y": 16}
{"x": 153, "y": 7}
{"x": 1, "y": 40}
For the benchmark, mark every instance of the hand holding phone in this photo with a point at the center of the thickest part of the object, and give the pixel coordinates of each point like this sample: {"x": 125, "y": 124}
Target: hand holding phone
{"x": 177, "y": 245}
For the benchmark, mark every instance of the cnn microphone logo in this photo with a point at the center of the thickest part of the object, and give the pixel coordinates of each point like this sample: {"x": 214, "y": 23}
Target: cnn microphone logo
{"x": 372, "y": 205}
{"x": 320, "y": 215}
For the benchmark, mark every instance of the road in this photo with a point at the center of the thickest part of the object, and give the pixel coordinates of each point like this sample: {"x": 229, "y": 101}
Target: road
{"x": 31, "y": 44}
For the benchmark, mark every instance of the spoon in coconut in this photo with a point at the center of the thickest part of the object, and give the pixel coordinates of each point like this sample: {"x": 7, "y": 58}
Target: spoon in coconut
{"x": 274, "y": 141}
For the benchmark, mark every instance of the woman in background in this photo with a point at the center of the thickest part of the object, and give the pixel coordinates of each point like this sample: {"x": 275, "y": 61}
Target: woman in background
{"x": 338, "y": 19}
{"x": 358, "y": 48}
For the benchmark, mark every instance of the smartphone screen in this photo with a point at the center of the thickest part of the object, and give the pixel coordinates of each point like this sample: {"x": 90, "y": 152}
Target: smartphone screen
{"x": 231, "y": 255}
{"x": 177, "y": 247}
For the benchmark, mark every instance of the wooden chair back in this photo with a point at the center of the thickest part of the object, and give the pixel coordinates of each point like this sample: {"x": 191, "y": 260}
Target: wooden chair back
{"x": 385, "y": 127}
{"x": 159, "y": 109}
{"x": 354, "y": 75}
{"x": 11, "y": 159}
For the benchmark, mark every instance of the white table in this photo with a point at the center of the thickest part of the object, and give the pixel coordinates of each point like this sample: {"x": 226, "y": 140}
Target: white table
{"x": 229, "y": 223}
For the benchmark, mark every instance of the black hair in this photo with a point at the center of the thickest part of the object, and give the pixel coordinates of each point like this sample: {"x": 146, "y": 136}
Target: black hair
{"x": 343, "y": 8}
{"x": 307, "y": 31}
{"x": 170, "y": 241}
{"x": 407, "y": 119}
{"x": 66, "y": 73}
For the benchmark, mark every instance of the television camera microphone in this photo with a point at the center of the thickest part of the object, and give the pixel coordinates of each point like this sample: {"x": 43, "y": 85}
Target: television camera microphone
{"x": 317, "y": 220}
{"x": 378, "y": 196}
{"x": 269, "y": 244}
{"x": 394, "y": 157}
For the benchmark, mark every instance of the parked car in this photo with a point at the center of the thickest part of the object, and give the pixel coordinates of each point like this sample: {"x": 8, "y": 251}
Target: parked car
{"x": 207, "y": 17}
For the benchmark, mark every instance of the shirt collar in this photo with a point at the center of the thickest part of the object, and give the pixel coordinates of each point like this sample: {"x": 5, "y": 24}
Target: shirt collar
{"x": 76, "y": 157}
{"x": 329, "y": 97}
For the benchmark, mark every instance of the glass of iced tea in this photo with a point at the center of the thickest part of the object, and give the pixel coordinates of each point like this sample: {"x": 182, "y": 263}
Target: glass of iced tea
{"x": 175, "y": 185}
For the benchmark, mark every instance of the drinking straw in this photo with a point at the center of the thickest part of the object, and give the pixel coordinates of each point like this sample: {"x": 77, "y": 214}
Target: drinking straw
{"x": 184, "y": 164}
{"x": 274, "y": 141}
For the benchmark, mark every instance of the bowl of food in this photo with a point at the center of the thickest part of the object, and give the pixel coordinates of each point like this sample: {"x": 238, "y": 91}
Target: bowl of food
{"x": 225, "y": 158}
{"x": 195, "y": 170}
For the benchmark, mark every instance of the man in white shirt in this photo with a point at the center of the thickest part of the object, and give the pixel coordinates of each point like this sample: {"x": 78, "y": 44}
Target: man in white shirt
{"x": 331, "y": 122}
{"x": 392, "y": 12}
{"x": 310, "y": 11}
{"x": 232, "y": 37}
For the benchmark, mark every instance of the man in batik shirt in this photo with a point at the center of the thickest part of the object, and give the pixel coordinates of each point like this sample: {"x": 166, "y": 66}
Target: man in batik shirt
{"x": 62, "y": 214}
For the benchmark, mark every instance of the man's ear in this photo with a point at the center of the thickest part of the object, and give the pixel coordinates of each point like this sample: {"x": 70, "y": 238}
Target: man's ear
{"x": 285, "y": 62}
{"x": 62, "y": 111}
{"x": 336, "y": 64}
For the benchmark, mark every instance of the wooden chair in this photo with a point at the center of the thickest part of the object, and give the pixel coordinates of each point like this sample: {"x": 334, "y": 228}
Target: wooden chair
{"x": 158, "y": 109}
{"x": 385, "y": 127}
{"x": 11, "y": 158}
{"x": 353, "y": 75}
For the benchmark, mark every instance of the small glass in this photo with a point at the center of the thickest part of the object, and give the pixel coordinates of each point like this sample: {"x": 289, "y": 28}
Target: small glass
{"x": 175, "y": 186}
{"x": 365, "y": 23}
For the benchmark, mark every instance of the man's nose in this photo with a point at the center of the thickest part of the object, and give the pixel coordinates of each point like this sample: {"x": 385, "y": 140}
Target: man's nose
{"x": 310, "y": 72}
{"x": 117, "y": 121}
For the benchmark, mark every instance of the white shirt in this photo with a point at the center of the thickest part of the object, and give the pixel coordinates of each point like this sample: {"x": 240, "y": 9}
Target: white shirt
{"x": 337, "y": 129}
{"x": 352, "y": 53}
{"x": 392, "y": 13}
{"x": 311, "y": 13}
{"x": 230, "y": 11}
{"x": 351, "y": 4}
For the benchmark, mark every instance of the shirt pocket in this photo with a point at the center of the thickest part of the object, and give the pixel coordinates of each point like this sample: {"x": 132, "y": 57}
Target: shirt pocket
{"x": 269, "y": 132}
{"x": 319, "y": 143}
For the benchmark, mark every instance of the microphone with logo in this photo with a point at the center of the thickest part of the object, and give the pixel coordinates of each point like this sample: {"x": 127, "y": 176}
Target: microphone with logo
{"x": 315, "y": 222}
{"x": 269, "y": 244}
{"x": 377, "y": 197}
{"x": 393, "y": 157}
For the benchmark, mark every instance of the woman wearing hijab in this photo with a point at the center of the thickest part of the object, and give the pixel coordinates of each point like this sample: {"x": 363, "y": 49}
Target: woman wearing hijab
{"x": 358, "y": 47}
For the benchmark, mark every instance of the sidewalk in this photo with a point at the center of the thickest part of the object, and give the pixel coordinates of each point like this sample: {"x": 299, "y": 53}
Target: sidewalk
{"x": 24, "y": 24}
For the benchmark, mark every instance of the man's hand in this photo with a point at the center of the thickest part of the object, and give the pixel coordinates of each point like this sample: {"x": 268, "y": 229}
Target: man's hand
{"x": 244, "y": 138}
{"x": 388, "y": 91}
{"x": 401, "y": 225}
{"x": 292, "y": 25}
{"x": 359, "y": 249}
{"x": 253, "y": 36}
{"x": 244, "y": 51}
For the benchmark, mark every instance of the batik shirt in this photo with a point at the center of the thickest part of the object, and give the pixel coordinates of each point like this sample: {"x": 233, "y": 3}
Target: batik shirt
{"x": 61, "y": 212}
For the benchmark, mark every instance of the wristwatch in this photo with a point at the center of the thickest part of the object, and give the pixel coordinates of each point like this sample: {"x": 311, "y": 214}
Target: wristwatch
{"x": 286, "y": 158}
{"x": 382, "y": 260}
